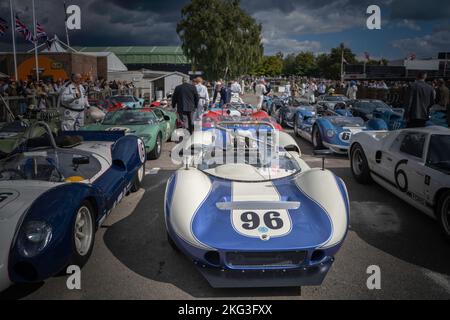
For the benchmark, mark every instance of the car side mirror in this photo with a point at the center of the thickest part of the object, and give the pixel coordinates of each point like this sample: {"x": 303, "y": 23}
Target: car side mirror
{"x": 324, "y": 153}
{"x": 80, "y": 160}
{"x": 166, "y": 118}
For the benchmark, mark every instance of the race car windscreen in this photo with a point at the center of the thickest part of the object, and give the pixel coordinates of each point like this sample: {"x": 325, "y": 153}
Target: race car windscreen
{"x": 347, "y": 122}
{"x": 367, "y": 107}
{"x": 34, "y": 166}
{"x": 438, "y": 155}
{"x": 381, "y": 104}
{"x": 122, "y": 99}
{"x": 129, "y": 117}
{"x": 248, "y": 165}
{"x": 336, "y": 98}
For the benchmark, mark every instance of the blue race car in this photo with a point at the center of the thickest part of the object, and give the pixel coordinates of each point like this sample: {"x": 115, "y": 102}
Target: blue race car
{"x": 56, "y": 194}
{"x": 332, "y": 129}
{"x": 272, "y": 222}
{"x": 376, "y": 109}
{"x": 128, "y": 101}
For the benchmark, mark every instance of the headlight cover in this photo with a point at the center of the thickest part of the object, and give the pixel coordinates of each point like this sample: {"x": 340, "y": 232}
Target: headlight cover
{"x": 34, "y": 238}
{"x": 331, "y": 133}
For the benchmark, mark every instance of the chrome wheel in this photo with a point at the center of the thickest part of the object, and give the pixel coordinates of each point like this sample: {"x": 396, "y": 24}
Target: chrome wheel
{"x": 83, "y": 231}
{"x": 357, "y": 162}
{"x": 140, "y": 174}
{"x": 158, "y": 145}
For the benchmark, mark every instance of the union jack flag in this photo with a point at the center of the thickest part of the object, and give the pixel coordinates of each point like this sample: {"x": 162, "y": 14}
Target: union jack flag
{"x": 3, "y": 26}
{"x": 40, "y": 32}
{"x": 22, "y": 28}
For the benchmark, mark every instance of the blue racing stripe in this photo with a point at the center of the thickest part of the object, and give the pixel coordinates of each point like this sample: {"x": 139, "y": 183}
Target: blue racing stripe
{"x": 213, "y": 227}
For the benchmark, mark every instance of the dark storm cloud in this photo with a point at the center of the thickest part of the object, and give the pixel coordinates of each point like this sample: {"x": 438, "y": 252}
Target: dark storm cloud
{"x": 420, "y": 10}
{"x": 153, "y": 22}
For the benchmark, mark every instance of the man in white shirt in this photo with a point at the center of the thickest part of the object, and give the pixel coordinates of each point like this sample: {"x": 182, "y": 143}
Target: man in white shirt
{"x": 260, "y": 92}
{"x": 204, "y": 97}
{"x": 236, "y": 88}
{"x": 72, "y": 103}
{"x": 352, "y": 91}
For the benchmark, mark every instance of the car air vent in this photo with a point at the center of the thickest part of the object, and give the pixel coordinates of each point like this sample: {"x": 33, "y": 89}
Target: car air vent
{"x": 265, "y": 259}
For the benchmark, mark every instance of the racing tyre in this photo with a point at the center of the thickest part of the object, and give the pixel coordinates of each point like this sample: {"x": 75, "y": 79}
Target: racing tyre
{"x": 295, "y": 127}
{"x": 443, "y": 213}
{"x": 317, "y": 138}
{"x": 172, "y": 243}
{"x": 138, "y": 178}
{"x": 156, "y": 152}
{"x": 359, "y": 165}
{"x": 83, "y": 234}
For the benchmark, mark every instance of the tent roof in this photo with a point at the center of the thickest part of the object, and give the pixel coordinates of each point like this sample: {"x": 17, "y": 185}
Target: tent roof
{"x": 143, "y": 55}
{"x": 114, "y": 63}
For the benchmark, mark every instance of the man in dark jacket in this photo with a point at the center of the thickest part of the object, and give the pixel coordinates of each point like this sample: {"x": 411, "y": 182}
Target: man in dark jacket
{"x": 225, "y": 94}
{"x": 421, "y": 99}
{"x": 185, "y": 99}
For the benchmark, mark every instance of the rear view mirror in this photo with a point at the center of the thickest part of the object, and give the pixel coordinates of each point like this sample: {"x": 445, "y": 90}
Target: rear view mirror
{"x": 323, "y": 153}
{"x": 80, "y": 160}
{"x": 166, "y": 118}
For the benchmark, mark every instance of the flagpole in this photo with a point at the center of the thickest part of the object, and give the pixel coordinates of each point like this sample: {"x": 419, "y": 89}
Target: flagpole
{"x": 342, "y": 63}
{"x": 35, "y": 43}
{"x": 65, "y": 24}
{"x": 13, "y": 32}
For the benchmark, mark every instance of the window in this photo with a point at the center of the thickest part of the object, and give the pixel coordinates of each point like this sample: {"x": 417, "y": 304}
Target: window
{"x": 413, "y": 144}
{"x": 159, "y": 114}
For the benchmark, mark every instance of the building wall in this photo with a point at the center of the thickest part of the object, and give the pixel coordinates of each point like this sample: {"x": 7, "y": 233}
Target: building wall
{"x": 171, "y": 82}
{"x": 54, "y": 65}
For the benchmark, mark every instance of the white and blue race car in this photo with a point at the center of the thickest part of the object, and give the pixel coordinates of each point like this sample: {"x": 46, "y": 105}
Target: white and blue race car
{"x": 272, "y": 222}
{"x": 327, "y": 129}
{"x": 413, "y": 164}
{"x": 55, "y": 193}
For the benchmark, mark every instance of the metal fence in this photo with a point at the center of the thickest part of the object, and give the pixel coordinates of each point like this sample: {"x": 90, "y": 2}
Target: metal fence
{"x": 19, "y": 104}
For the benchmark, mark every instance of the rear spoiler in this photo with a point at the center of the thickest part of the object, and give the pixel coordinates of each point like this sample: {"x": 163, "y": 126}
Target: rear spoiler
{"x": 103, "y": 136}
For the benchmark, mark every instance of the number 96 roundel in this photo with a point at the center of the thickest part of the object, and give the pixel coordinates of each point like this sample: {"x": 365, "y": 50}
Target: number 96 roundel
{"x": 262, "y": 224}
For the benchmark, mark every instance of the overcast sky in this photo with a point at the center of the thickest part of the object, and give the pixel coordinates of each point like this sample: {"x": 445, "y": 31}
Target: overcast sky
{"x": 408, "y": 26}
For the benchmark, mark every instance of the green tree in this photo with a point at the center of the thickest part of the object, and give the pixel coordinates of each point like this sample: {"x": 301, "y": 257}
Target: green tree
{"x": 329, "y": 65}
{"x": 269, "y": 66}
{"x": 305, "y": 64}
{"x": 289, "y": 65}
{"x": 220, "y": 38}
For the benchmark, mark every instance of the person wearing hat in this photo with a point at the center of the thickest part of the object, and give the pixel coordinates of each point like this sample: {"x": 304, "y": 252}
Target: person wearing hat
{"x": 352, "y": 90}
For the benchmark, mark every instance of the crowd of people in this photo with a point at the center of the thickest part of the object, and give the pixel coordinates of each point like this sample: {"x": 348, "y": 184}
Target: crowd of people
{"x": 197, "y": 95}
{"x": 39, "y": 94}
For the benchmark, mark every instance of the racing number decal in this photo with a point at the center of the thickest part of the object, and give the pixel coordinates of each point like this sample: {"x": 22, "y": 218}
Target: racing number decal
{"x": 4, "y": 196}
{"x": 251, "y": 220}
{"x": 262, "y": 224}
{"x": 141, "y": 149}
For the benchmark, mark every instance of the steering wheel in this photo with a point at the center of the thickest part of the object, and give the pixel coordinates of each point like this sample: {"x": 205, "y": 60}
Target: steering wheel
{"x": 14, "y": 171}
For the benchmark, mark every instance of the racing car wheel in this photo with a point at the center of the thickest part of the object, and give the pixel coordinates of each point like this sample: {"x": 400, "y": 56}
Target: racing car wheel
{"x": 359, "y": 165}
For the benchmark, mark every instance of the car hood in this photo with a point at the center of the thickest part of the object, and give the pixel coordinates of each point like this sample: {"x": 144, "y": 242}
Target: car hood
{"x": 136, "y": 130}
{"x": 275, "y": 215}
{"x": 17, "y": 196}
{"x": 15, "y": 199}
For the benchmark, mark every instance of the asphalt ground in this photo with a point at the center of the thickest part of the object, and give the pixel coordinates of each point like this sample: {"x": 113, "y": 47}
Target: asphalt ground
{"x": 133, "y": 260}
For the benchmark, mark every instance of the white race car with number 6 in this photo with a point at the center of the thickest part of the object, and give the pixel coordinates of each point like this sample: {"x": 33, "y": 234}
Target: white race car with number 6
{"x": 414, "y": 164}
